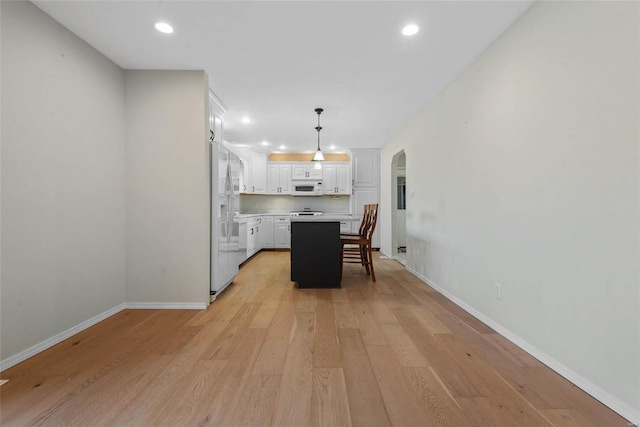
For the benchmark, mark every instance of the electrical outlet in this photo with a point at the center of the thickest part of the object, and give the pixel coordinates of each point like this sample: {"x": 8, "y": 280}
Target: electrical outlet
{"x": 498, "y": 289}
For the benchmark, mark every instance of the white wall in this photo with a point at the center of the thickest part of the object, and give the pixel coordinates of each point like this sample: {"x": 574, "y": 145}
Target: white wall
{"x": 105, "y": 196}
{"x": 167, "y": 168}
{"x": 526, "y": 172}
{"x": 63, "y": 180}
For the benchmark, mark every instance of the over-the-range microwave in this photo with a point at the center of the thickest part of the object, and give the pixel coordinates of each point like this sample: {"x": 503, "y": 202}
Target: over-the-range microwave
{"x": 306, "y": 188}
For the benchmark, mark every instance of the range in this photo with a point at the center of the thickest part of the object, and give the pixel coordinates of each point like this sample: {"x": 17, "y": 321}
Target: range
{"x": 306, "y": 212}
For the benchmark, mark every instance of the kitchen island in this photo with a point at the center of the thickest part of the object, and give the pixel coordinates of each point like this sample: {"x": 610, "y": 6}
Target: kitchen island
{"x": 315, "y": 250}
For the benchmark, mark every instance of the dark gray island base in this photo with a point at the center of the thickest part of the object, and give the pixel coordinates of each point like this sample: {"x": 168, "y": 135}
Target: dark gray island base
{"x": 315, "y": 253}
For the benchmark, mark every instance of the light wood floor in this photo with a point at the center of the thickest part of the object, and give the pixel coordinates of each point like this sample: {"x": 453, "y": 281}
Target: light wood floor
{"x": 394, "y": 352}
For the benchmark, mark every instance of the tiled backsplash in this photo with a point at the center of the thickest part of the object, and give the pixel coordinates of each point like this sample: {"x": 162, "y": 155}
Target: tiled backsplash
{"x": 266, "y": 204}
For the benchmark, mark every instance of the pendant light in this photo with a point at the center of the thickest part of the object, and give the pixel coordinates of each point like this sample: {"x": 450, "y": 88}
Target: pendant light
{"x": 318, "y": 157}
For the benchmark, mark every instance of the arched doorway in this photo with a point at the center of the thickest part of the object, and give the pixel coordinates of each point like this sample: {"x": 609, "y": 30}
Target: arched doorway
{"x": 399, "y": 207}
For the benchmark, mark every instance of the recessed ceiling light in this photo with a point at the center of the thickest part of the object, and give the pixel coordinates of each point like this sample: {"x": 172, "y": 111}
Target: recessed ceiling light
{"x": 163, "y": 27}
{"x": 410, "y": 30}
{"x": 265, "y": 143}
{"x": 246, "y": 120}
{"x": 332, "y": 147}
{"x": 282, "y": 147}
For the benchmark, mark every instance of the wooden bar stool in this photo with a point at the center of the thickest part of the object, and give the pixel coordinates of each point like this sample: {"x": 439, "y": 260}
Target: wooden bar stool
{"x": 363, "y": 223}
{"x": 356, "y": 249}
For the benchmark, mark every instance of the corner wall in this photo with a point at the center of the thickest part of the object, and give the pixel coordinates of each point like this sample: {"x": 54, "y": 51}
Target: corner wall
{"x": 526, "y": 173}
{"x": 167, "y": 169}
{"x": 63, "y": 180}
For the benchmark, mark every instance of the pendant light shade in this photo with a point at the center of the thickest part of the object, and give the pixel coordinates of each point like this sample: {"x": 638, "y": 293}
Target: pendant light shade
{"x": 318, "y": 157}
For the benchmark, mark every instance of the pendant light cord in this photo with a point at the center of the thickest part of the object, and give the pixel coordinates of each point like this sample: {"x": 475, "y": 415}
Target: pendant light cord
{"x": 318, "y": 128}
{"x": 318, "y": 156}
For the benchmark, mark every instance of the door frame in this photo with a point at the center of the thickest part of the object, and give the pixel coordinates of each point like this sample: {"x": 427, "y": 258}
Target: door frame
{"x": 394, "y": 202}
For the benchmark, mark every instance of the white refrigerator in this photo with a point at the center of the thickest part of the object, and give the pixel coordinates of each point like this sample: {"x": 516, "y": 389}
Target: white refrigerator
{"x": 225, "y": 204}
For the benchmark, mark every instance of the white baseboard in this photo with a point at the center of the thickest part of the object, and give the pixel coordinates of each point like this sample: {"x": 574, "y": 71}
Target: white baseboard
{"x": 383, "y": 255}
{"x": 32, "y": 351}
{"x": 594, "y": 390}
{"x": 166, "y": 305}
{"x": 56, "y": 339}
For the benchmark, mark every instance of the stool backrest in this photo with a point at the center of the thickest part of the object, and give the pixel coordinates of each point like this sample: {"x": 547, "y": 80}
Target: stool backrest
{"x": 365, "y": 220}
{"x": 372, "y": 221}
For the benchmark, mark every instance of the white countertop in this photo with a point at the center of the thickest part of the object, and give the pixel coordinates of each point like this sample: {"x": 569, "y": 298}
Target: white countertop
{"x": 249, "y": 215}
{"x": 328, "y": 217}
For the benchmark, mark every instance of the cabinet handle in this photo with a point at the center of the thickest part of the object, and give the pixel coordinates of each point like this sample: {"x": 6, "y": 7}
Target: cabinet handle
{"x": 254, "y": 188}
{"x": 252, "y": 231}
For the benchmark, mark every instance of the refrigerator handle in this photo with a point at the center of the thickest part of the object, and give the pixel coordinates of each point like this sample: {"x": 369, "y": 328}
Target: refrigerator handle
{"x": 229, "y": 191}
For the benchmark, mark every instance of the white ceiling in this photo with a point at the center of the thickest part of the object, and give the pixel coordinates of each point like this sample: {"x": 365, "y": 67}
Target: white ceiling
{"x": 277, "y": 61}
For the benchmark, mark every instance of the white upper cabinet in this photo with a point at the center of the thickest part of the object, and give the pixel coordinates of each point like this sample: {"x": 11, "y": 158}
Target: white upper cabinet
{"x": 259, "y": 173}
{"x": 254, "y": 173}
{"x": 343, "y": 179}
{"x": 336, "y": 178}
{"x": 366, "y": 167}
{"x": 285, "y": 179}
{"x": 245, "y": 175}
{"x": 217, "y": 111}
{"x": 273, "y": 179}
{"x": 278, "y": 178}
{"x": 329, "y": 181}
{"x": 305, "y": 170}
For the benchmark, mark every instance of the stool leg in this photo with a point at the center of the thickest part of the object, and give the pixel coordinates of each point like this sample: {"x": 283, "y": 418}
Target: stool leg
{"x": 373, "y": 275}
{"x": 364, "y": 258}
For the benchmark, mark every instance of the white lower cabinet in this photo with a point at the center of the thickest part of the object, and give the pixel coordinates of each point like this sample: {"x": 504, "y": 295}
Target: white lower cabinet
{"x": 282, "y": 232}
{"x": 263, "y": 232}
{"x": 254, "y": 225}
{"x": 242, "y": 246}
{"x": 266, "y": 232}
{"x": 345, "y": 226}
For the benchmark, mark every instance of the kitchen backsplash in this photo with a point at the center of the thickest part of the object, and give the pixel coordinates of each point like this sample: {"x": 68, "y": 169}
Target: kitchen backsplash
{"x": 266, "y": 204}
